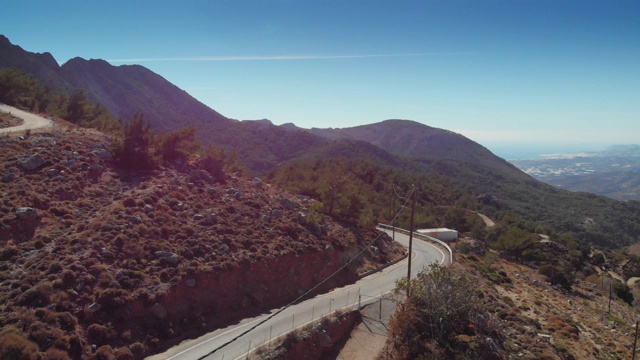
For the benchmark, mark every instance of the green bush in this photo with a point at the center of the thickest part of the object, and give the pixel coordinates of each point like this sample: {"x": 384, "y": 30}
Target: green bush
{"x": 179, "y": 144}
{"x": 623, "y": 292}
{"x": 133, "y": 149}
{"x": 557, "y": 275}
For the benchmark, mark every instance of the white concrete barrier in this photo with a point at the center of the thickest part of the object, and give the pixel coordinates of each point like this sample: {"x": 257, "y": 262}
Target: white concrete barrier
{"x": 420, "y": 236}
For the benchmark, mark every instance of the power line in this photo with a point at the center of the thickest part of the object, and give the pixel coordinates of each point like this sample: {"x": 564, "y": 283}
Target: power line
{"x": 306, "y": 293}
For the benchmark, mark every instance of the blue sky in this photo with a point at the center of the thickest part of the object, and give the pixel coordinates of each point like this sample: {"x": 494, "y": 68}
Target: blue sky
{"x": 510, "y": 73}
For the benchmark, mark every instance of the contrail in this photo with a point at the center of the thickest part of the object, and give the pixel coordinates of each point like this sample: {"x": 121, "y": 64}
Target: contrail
{"x": 276, "y": 57}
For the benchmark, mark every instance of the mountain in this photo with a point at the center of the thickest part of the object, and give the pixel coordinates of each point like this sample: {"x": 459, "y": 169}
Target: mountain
{"x": 128, "y": 89}
{"x": 43, "y": 66}
{"x": 407, "y": 137}
{"x": 410, "y": 138}
{"x": 123, "y": 90}
{"x": 450, "y": 163}
{"x": 459, "y": 165}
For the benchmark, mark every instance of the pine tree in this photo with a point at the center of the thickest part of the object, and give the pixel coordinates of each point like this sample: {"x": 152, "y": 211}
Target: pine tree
{"x": 133, "y": 149}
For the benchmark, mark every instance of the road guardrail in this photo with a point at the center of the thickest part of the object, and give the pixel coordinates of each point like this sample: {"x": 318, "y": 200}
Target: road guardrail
{"x": 421, "y": 236}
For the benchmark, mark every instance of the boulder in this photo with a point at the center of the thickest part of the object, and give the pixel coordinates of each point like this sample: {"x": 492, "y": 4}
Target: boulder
{"x": 198, "y": 217}
{"x": 9, "y": 177}
{"x": 302, "y": 218}
{"x": 72, "y": 164}
{"x": 170, "y": 257}
{"x": 95, "y": 169}
{"x": 178, "y": 207}
{"x": 103, "y": 154}
{"x": 26, "y": 213}
{"x": 276, "y": 213}
{"x": 210, "y": 219}
{"x": 201, "y": 175}
{"x": 288, "y": 204}
{"x": 32, "y": 162}
{"x": 137, "y": 219}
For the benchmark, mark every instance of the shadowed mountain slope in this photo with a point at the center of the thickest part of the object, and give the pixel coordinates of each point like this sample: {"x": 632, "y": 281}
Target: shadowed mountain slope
{"x": 128, "y": 89}
{"x": 43, "y": 66}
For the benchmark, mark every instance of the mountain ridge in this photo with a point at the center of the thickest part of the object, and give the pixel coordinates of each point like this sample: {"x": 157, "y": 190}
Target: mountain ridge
{"x": 405, "y": 146}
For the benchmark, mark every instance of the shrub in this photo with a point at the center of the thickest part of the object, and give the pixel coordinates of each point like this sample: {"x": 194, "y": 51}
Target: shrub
{"x": 623, "y": 292}
{"x": 56, "y": 354}
{"x": 137, "y": 349}
{"x": 8, "y": 251}
{"x": 35, "y": 297}
{"x": 16, "y": 346}
{"x": 98, "y": 334}
{"x": 177, "y": 145}
{"x": 112, "y": 298}
{"x": 67, "y": 321}
{"x": 44, "y": 335}
{"x": 556, "y": 275}
{"x": 104, "y": 352}
{"x": 133, "y": 149}
{"x": 68, "y": 278}
{"x": 213, "y": 161}
{"x": 123, "y": 354}
{"x": 74, "y": 346}
{"x": 444, "y": 301}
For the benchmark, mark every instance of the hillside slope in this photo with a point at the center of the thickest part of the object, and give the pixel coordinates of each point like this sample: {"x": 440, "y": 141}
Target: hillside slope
{"x": 128, "y": 89}
{"x": 500, "y": 188}
{"x": 413, "y": 139}
{"x": 93, "y": 257}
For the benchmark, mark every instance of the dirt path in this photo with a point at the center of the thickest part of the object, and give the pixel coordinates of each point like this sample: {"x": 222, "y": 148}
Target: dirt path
{"x": 486, "y": 220}
{"x": 31, "y": 121}
{"x": 368, "y": 338}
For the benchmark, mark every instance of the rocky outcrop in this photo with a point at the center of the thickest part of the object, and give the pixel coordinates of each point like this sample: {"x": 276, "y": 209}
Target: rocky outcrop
{"x": 22, "y": 226}
{"x": 32, "y": 162}
{"x": 211, "y": 299}
{"x": 316, "y": 342}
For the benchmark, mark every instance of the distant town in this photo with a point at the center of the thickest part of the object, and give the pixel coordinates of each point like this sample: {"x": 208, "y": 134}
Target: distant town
{"x": 613, "y": 172}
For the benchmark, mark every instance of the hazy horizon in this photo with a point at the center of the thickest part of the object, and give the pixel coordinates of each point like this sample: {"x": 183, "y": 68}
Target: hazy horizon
{"x": 537, "y": 151}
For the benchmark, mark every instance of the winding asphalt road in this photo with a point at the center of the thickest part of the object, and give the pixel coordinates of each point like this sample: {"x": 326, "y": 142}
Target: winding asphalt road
{"x": 31, "y": 121}
{"x": 367, "y": 290}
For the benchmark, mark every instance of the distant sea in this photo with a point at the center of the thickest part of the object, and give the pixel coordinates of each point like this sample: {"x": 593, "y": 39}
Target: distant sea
{"x": 522, "y": 152}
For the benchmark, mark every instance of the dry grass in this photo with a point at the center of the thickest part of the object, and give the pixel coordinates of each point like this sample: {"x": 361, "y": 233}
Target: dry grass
{"x": 97, "y": 234}
{"x": 577, "y": 323}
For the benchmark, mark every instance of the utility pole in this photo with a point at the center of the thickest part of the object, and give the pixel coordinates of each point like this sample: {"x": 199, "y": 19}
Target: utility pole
{"x": 635, "y": 342}
{"x": 393, "y": 215}
{"x": 413, "y": 208}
